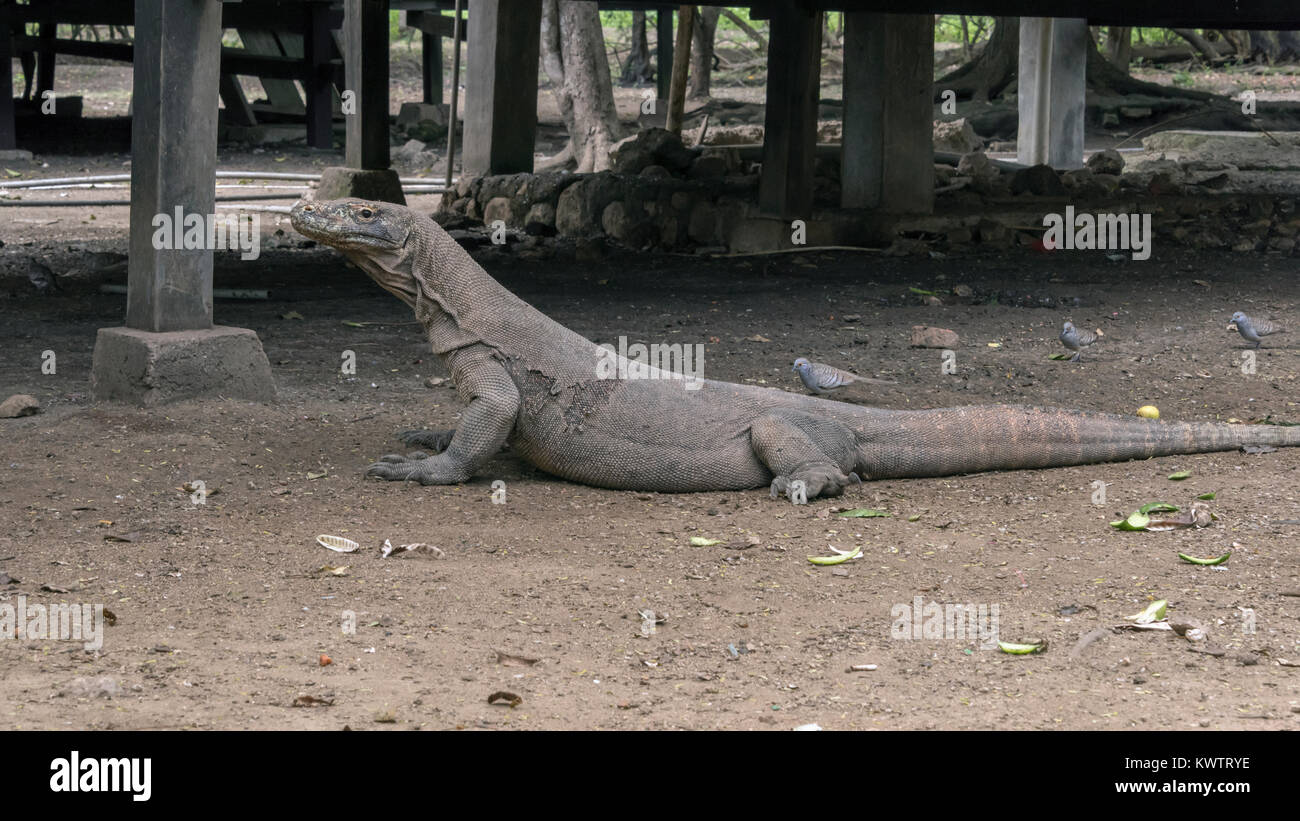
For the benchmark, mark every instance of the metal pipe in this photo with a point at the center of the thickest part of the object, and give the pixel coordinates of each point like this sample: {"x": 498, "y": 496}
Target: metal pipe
{"x": 221, "y": 175}
{"x": 455, "y": 93}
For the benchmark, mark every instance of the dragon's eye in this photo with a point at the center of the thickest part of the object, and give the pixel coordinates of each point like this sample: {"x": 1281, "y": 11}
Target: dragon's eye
{"x": 366, "y": 213}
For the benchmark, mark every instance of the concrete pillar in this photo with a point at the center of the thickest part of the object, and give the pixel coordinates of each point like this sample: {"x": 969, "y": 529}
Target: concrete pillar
{"x": 790, "y": 125}
{"x": 501, "y": 87}
{"x": 887, "y": 153}
{"x": 1052, "y": 90}
{"x": 170, "y": 349}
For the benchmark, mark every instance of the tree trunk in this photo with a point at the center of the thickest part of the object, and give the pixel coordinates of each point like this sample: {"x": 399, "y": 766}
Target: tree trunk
{"x": 1203, "y": 46}
{"x": 746, "y": 27}
{"x": 573, "y": 55}
{"x": 1105, "y": 78}
{"x": 990, "y": 72}
{"x": 638, "y": 69}
{"x": 702, "y": 34}
{"x": 1119, "y": 46}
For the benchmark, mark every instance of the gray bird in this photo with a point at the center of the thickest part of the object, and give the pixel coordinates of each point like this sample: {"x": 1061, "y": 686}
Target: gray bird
{"x": 1076, "y": 340}
{"x": 40, "y": 275}
{"x": 823, "y": 379}
{"x": 1252, "y": 330}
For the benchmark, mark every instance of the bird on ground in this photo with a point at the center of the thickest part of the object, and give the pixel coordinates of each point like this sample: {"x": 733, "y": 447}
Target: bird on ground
{"x": 1252, "y": 330}
{"x": 822, "y": 379}
{"x": 1076, "y": 340}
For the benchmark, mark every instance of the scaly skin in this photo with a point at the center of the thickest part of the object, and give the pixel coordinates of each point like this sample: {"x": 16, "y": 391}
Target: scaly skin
{"x": 534, "y": 383}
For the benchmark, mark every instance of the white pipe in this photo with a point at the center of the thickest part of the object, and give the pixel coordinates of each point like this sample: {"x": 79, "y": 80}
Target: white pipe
{"x": 221, "y": 175}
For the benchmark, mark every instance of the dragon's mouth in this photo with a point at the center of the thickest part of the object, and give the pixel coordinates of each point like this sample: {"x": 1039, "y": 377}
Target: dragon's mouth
{"x": 351, "y": 225}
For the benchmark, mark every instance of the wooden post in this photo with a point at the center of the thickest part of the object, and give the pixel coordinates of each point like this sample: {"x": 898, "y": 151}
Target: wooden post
{"x": 174, "y": 159}
{"x": 663, "y": 52}
{"x": 319, "y": 85}
{"x": 681, "y": 64}
{"x": 887, "y": 150}
{"x": 8, "y": 137}
{"x": 790, "y": 127}
{"x": 365, "y": 61}
{"x": 431, "y": 65}
{"x": 45, "y": 58}
{"x": 501, "y": 87}
{"x": 1052, "y": 90}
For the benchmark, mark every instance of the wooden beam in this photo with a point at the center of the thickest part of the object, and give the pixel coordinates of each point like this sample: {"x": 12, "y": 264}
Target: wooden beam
{"x": 887, "y": 159}
{"x": 501, "y": 87}
{"x": 365, "y": 62}
{"x": 238, "y": 111}
{"x": 174, "y": 158}
{"x": 790, "y": 127}
{"x": 431, "y": 67}
{"x": 681, "y": 65}
{"x": 8, "y": 135}
{"x": 318, "y": 45}
{"x": 1052, "y": 90}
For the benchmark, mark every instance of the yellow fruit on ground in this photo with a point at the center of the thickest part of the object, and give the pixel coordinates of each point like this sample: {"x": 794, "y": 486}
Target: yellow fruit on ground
{"x": 1149, "y": 412}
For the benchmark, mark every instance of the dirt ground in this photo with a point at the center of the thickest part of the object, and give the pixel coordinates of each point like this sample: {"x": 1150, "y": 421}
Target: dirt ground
{"x": 222, "y": 612}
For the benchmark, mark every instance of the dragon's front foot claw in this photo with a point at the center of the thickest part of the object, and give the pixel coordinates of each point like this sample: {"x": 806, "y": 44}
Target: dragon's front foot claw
{"x": 433, "y": 440}
{"x": 417, "y": 466}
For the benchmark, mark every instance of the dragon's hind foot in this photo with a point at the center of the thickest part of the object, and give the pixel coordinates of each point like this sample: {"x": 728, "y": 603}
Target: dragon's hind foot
{"x": 435, "y": 441}
{"x": 417, "y": 466}
{"x": 813, "y": 480}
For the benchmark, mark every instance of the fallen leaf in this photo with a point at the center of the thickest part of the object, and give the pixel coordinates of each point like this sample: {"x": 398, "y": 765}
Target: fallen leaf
{"x": 509, "y": 699}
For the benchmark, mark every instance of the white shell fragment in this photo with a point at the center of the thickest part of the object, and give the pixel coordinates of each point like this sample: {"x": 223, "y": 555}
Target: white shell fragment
{"x": 337, "y": 543}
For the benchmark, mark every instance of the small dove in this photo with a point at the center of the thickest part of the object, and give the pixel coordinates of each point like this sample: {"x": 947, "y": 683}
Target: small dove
{"x": 823, "y": 379}
{"x": 1076, "y": 340}
{"x": 40, "y": 275}
{"x": 1252, "y": 330}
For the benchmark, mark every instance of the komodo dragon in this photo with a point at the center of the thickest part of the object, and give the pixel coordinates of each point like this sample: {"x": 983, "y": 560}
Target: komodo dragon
{"x": 534, "y": 383}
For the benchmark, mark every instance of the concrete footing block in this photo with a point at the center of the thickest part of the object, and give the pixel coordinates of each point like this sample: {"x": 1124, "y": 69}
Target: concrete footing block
{"x": 339, "y": 183}
{"x": 143, "y": 368}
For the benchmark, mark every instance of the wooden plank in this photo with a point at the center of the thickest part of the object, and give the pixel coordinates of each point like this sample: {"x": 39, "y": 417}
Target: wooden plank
{"x": 174, "y": 158}
{"x": 238, "y": 111}
{"x": 790, "y": 127}
{"x": 501, "y": 87}
{"x": 365, "y": 65}
{"x": 281, "y": 94}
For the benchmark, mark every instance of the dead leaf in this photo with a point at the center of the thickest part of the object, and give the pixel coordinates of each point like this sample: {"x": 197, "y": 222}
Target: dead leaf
{"x": 757, "y": 338}
{"x": 122, "y": 537}
{"x": 312, "y": 701}
{"x": 511, "y": 660}
{"x": 503, "y": 696}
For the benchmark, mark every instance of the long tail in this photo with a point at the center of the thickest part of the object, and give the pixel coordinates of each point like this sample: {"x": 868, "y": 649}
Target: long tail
{"x": 976, "y": 438}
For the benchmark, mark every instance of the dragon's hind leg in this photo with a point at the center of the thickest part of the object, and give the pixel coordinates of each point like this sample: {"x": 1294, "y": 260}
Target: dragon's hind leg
{"x": 809, "y": 456}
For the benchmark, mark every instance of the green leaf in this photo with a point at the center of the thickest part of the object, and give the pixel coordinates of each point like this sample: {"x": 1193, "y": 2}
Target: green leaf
{"x": 922, "y": 292}
{"x": 1180, "y": 475}
{"x": 353, "y": 324}
{"x": 914, "y": 517}
{"x": 700, "y": 541}
{"x": 1154, "y": 612}
{"x": 1135, "y": 521}
{"x": 1158, "y": 507}
{"x": 1059, "y": 356}
{"x": 1021, "y": 649}
{"x": 1206, "y": 496}
{"x": 862, "y": 513}
{"x": 1214, "y": 561}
